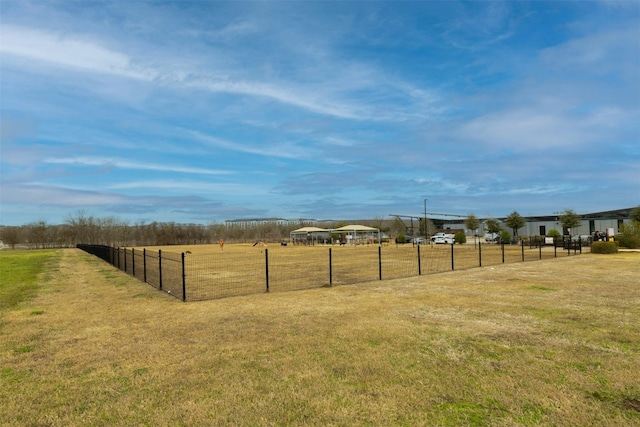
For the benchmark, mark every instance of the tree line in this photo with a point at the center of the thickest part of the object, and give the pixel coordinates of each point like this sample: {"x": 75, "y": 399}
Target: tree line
{"x": 83, "y": 228}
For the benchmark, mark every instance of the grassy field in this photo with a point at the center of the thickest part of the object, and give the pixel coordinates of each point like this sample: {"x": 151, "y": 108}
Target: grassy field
{"x": 240, "y": 269}
{"x": 554, "y": 342}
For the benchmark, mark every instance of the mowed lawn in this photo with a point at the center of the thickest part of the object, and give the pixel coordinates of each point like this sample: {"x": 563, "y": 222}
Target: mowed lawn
{"x": 550, "y": 343}
{"x": 241, "y": 269}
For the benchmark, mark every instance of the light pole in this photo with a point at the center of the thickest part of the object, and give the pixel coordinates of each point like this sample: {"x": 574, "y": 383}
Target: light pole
{"x": 426, "y": 233}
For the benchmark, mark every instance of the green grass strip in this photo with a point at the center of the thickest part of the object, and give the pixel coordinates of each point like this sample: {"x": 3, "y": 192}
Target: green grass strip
{"x": 19, "y": 272}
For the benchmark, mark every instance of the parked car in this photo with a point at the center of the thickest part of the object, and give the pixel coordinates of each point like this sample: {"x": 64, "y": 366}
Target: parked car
{"x": 492, "y": 237}
{"x": 437, "y": 236}
{"x": 442, "y": 238}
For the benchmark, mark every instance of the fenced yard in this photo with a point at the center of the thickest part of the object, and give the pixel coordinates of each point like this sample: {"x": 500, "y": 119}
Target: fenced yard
{"x": 203, "y": 272}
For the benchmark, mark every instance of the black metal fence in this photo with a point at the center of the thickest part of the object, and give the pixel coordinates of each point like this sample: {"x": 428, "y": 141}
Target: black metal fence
{"x": 212, "y": 275}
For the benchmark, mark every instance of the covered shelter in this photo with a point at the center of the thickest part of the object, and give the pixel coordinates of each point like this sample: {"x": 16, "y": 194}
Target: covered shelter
{"x": 355, "y": 233}
{"x": 309, "y": 235}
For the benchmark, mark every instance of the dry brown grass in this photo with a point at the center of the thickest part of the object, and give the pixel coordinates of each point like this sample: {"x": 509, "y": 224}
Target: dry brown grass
{"x": 555, "y": 342}
{"x": 240, "y": 269}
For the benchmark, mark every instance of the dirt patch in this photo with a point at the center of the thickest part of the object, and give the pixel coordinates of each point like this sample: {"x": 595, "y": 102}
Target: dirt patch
{"x": 632, "y": 404}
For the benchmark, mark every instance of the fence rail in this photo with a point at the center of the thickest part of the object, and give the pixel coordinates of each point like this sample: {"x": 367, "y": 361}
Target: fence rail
{"x": 196, "y": 277}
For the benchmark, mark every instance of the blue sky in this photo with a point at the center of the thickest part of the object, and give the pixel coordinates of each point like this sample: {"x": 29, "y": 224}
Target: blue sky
{"x": 198, "y": 112}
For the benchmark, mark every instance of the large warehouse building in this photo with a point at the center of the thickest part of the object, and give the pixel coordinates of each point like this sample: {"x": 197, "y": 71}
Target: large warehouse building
{"x": 541, "y": 225}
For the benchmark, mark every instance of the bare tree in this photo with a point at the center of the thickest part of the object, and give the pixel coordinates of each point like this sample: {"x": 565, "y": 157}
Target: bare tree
{"x": 12, "y": 236}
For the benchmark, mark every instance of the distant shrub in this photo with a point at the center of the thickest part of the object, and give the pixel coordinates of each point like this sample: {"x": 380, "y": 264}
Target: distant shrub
{"x": 629, "y": 236}
{"x": 505, "y": 237}
{"x": 604, "y": 248}
{"x": 554, "y": 233}
{"x": 400, "y": 238}
{"x": 460, "y": 238}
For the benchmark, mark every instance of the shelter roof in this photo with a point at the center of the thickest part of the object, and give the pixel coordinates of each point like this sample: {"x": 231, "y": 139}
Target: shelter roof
{"x": 309, "y": 230}
{"x": 356, "y": 228}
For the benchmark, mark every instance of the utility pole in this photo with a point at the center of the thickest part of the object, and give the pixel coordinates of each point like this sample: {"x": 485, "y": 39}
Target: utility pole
{"x": 426, "y": 232}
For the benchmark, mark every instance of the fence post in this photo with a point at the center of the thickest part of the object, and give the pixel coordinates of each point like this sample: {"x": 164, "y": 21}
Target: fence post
{"x": 502, "y": 247}
{"x": 266, "y": 263}
{"x": 540, "y": 249}
{"x": 125, "y": 260}
{"x": 480, "y": 254}
{"x": 184, "y": 281}
{"x": 160, "y": 269}
{"x": 522, "y": 246}
{"x": 419, "y": 264}
{"x": 144, "y": 264}
{"x": 380, "y": 262}
{"x": 133, "y": 262}
{"x": 555, "y": 249}
{"x": 452, "y": 256}
{"x": 330, "y": 269}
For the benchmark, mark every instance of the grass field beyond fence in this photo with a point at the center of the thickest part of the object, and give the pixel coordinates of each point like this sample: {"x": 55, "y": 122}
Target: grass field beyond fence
{"x": 201, "y": 272}
{"x": 551, "y": 343}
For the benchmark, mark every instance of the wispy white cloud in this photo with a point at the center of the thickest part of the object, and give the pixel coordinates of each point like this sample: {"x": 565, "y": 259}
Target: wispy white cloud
{"x": 302, "y": 98}
{"x": 611, "y": 55}
{"x": 125, "y": 164}
{"x": 83, "y": 54}
{"x": 547, "y": 189}
{"x": 215, "y": 188}
{"x": 529, "y": 130}
{"x": 68, "y": 51}
{"x": 282, "y": 150}
{"x": 74, "y": 52}
{"x": 39, "y": 194}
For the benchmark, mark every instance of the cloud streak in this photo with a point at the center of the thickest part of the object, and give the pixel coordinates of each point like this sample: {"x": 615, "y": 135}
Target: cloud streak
{"x": 124, "y": 164}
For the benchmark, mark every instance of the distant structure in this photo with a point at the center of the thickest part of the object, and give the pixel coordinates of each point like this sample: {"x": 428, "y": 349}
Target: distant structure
{"x": 534, "y": 225}
{"x": 541, "y": 225}
{"x": 253, "y": 222}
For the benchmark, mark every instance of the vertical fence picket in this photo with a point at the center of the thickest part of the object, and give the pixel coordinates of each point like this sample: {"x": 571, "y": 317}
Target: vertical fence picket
{"x": 144, "y": 264}
{"x": 160, "y": 269}
{"x": 380, "y": 262}
{"x": 452, "y": 264}
{"x": 540, "y": 249}
{"x": 184, "y": 280}
{"x": 330, "y": 268}
{"x": 266, "y": 268}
